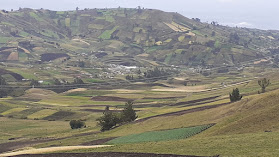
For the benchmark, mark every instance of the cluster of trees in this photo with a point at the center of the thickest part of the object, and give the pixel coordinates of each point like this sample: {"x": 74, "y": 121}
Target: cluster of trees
{"x": 129, "y": 77}
{"x": 156, "y": 72}
{"x": 111, "y": 119}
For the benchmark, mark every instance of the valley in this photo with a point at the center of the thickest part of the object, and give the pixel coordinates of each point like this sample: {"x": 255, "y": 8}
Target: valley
{"x": 60, "y": 66}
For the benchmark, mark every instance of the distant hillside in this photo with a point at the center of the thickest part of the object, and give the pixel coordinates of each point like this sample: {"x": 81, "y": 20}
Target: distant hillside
{"x": 129, "y": 37}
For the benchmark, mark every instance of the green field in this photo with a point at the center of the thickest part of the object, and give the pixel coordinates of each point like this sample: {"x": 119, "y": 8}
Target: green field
{"x": 155, "y": 136}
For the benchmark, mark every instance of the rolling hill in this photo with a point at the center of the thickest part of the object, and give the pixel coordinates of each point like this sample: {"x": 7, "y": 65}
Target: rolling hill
{"x": 129, "y": 37}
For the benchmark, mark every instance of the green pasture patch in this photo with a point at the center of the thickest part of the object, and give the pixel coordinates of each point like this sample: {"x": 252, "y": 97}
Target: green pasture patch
{"x": 4, "y": 108}
{"x": 60, "y": 12}
{"x": 168, "y": 58}
{"x": 156, "y": 136}
{"x": 90, "y": 93}
{"x": 6, "y": 23}
{"x": 4, "y": 40}
{"x": 95, "y": 26}
{"x": 50, "y": 34}
{"x": 94, "y": 80}
{"x": 14, "y": 110}
{"x": 27, "y": 112}
{"x": 107, "y": 34}
{"x": 23, "y": 34}
{"x": 109, "y": 19}
{"x": 35, "y": 16}
{"x": 85, "y": 15}
{"x": 153, "y": 48}
{"x": 17, "y": 13}
{"x": 24, "y": 73}
{"x": 41, "y": 114}
{"x": 68, "y": 22}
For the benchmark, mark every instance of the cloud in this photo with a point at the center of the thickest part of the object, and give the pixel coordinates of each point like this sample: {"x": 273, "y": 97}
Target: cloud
{"x": 240, "y": 24}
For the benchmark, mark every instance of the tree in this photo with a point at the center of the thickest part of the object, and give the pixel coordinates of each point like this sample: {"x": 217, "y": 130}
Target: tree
{"x": 129, "y": 114}
{"x": 264, "y": 83}
{"x": 3, "y": 91}
{"x": 108, "y": 120}
{"x": 34, "y": 83}
{"x": 78, "y": 81}
{"x": 76, "y": 124}
{"x": 235, "y": 96}
{"x": 57, "y": 82}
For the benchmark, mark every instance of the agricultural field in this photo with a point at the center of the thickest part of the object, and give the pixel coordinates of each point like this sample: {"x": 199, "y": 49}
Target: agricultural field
{"x": 174, "y": 117}
{"x": 176, "y": 73}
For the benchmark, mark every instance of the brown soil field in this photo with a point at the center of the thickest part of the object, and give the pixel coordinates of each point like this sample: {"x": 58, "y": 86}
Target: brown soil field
{"x": 13, "y": 56}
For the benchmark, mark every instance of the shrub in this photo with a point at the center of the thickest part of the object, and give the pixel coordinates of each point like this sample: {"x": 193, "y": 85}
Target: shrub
{"x": 76, "y": 124}
{"x": 235, "y": 96}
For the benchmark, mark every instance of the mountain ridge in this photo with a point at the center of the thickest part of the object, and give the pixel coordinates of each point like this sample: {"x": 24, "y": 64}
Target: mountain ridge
{"x": 131, "y": 37}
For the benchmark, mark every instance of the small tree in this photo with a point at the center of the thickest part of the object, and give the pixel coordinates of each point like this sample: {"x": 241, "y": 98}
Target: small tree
{"x": 235, "y": 96}
{"x": 264, "y": 83}
{"x": 129, "y": 114}
{"x": 76, "y": 124}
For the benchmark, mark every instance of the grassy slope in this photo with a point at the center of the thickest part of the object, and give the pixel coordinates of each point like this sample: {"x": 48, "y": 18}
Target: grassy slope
{"x": 240, "y": 130}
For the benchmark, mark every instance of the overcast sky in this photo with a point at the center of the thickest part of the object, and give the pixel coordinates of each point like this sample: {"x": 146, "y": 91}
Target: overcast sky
{"x": 261, "y": 14}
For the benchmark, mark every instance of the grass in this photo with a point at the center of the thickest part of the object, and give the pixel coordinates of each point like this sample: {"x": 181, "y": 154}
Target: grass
{"x": 42, "y": 114}
{"x": 156, "y": 136}
{"x": 68, "y": 22}
{"x": 90, "y": 93}
{"x": 35, "y": 16}
{"x": 107, "y": 34}
{"x": 95, "y": 26}
{"x": 27, "y": 74}
{"x": 50, "y": 34}
{"x": 250, "y": 145}
{"x": 4, "y": 40}
{"x": 12, "y": 111}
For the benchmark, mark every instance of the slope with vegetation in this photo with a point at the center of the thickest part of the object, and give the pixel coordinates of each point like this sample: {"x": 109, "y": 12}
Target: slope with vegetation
{"x": 140, "y": 34}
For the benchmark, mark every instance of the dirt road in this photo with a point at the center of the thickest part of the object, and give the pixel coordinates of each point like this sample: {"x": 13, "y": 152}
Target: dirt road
{"x": 50, "y": 149}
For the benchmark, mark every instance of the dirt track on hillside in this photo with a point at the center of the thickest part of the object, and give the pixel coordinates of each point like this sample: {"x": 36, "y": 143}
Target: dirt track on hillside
{"x": 50, "y": 149}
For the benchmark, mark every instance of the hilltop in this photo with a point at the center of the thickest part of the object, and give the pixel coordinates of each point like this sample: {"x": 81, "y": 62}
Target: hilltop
{"x": 128, "y": 37}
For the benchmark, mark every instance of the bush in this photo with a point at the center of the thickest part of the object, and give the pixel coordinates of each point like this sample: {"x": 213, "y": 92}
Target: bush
{"x": 76, "y": 124}
{"x": 235, "y": 96}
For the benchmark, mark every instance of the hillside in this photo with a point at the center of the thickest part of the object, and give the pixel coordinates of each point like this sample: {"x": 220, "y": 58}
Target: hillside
{"x": 129, "y": 37}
